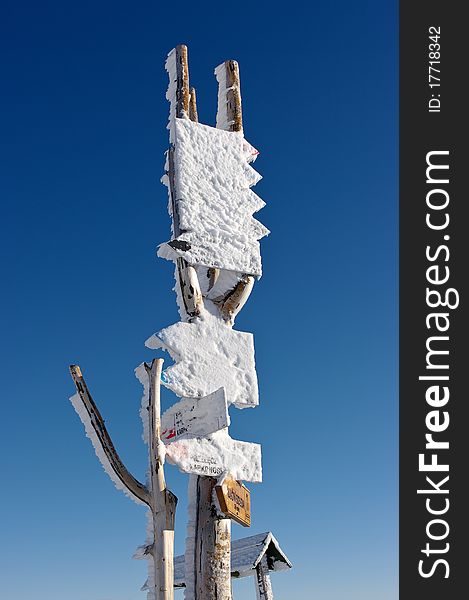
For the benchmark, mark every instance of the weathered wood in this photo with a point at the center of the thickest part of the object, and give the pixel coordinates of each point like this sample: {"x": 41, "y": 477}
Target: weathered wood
{"x": 235, "y": 501}
{"x": 163, "y": 502}
{"x": 234, "y": 301}
{"x": 213, "y": 274}
{"x": 212, "y": 547}
{"x": 233, "y": 96}
{"x": 262, "y": 581}
{"x": 128, "y": 480}
{"x": 182, "y": 89}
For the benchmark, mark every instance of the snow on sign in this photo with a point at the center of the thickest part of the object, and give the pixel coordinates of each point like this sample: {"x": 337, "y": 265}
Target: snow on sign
{"x": 209, "y": 355}
{"x": 195, "y": 417}
{"x": 214, "y": 203}
{"x": 216, "y": 455}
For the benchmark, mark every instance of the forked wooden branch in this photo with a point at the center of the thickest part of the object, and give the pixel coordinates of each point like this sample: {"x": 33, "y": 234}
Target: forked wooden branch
{"x": 128, "y": 480}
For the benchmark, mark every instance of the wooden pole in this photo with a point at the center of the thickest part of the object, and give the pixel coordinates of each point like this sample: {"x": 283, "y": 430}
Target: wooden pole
{"x": 163, "y": 502}
{"x": 232, "y": 119}
{"x": 262, "y": 581}
{"x": 188, "y": 280}
{"x": 212, "y": 546}
{"x": 233, "y": 95}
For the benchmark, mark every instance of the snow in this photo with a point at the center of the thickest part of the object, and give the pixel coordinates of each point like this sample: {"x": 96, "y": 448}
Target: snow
{"x": 214, "y": 202}
{"x": 195, "y": 417}
{"x": 91, "y": 434}
{"x": 209, "y": 355}
{"x": 217, "y": 454}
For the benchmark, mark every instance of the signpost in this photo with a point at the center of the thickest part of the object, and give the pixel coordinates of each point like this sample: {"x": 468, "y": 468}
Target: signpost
{"x": 216, "y": 252}
{"x": 235, "y": 501}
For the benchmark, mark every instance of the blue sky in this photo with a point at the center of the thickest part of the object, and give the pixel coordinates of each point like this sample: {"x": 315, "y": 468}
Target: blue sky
{"x": 82, "y": 140}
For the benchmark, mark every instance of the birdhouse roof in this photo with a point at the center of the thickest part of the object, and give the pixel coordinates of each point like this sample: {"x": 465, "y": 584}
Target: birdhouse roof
{"x": 246, "y": 554}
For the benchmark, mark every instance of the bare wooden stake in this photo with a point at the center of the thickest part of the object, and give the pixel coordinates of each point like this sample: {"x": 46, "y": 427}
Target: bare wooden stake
{"x": 134, "y": 486}
{"x": 163, "y": 502}
{"x": 182, "y": 89}
{"x": 233, "y": 96}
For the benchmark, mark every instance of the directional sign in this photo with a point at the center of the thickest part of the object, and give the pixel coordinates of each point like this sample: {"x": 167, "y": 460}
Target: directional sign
{"x": 209, "y": 355}
{"x": 195, "y": 417}
{"x": 235, "y": 501}
{"x": 215, "y": 455}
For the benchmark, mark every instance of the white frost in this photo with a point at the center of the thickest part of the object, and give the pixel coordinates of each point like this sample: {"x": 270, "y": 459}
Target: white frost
{"x": 214, "y": 202}
{"x": 209, "y": 355}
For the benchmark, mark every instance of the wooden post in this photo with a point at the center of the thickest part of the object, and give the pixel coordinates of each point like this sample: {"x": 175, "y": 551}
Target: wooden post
{"x": 212, "y": 547}
{"x": 188, "y": 280}
{"x": 262, "y": 581}
{"x": 163, "y": 502}
{"x": 230, "y": 117}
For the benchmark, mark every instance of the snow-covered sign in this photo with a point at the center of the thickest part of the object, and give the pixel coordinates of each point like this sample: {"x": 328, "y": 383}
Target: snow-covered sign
{"x": 214, "y": 203}
{"x": 209, "y": 355}
{"x": 195, "y": 417}
{"x": 215, "y": 455}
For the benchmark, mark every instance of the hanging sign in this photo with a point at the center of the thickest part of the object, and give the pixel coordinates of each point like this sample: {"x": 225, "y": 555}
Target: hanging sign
{"x": 235, "y": 501}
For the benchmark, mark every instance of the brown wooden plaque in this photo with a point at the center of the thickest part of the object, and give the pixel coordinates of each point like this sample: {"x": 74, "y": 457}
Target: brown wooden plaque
{"x": 235, "y": 501}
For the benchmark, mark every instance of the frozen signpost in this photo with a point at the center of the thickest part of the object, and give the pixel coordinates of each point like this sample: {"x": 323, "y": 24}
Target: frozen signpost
{"x": 216, "y": 253}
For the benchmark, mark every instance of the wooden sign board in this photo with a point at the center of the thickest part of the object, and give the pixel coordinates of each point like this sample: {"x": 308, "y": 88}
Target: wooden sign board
{"x": 235, "y": 501}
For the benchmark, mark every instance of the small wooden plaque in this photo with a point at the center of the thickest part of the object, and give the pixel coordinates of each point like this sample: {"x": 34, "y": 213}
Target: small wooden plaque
{"x": 235, "y": 501}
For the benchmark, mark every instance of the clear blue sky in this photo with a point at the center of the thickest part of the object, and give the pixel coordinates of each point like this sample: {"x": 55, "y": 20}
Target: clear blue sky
{"x": 83, "y": 117}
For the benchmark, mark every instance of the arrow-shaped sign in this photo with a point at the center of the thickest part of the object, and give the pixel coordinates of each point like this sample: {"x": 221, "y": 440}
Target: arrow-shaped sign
{"x": 195, "y": 417}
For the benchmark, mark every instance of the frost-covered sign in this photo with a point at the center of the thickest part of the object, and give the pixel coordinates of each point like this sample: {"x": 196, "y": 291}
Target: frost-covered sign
{"x": 208, "y": 355}
{"x": 214, "y": 203}
{"x": 217, "y": 454}
{"x": 195, "y": 417}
